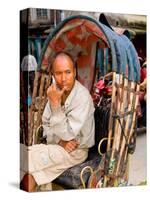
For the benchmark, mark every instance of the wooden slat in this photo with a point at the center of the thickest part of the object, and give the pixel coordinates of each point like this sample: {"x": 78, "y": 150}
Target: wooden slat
{"x": 111, "y": 112}
{"x": 134, "y": 118}
{"x": 32, "y": 109}
{"x": 40, "y": 100}
{"x": 126, "y": 130}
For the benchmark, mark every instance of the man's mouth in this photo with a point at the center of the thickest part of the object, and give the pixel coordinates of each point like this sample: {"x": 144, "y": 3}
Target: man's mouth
{"x": 63, "y": 87}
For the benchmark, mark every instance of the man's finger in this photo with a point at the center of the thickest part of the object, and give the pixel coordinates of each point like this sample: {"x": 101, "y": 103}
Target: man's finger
{"x": 53, "y": 86}
{"x": 72, "y": 145}
{"x": 49, "y": 89}
{"x": 69, "y": 149}
{"x": 76, "y": 141}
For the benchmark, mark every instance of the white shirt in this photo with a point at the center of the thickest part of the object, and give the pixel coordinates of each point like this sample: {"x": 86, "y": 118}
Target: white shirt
{"x": 74, "y": 120}
{"x": 29, "y": 63}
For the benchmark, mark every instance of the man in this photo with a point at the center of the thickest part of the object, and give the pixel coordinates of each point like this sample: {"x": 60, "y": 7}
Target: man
{"x": 68, "y": 122}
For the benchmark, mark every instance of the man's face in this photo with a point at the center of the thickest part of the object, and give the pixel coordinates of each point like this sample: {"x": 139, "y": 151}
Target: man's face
{"x": 64, "y": 72}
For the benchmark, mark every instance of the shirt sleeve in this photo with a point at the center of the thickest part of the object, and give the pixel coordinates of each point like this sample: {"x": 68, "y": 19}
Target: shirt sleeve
{"x": 68, "y": 126}
{"x": 48, "y": 131}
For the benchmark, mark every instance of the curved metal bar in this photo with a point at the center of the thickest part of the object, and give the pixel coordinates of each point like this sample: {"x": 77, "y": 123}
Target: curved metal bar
{"x": 100, "y": 143}
{"x": 82, "y": 172}
{"x": 36, "y": 133}
{"x": 99, "y": 146}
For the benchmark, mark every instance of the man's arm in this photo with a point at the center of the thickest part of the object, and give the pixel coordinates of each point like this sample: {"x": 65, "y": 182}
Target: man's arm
{"x": 51, "y": 138}
{"x": 67, "y": 127}
{"x": 69, "y": 146}
{"x": 54, "y": 97}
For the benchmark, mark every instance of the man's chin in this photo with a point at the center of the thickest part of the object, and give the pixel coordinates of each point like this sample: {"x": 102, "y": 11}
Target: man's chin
{"x": 66, "y": 90}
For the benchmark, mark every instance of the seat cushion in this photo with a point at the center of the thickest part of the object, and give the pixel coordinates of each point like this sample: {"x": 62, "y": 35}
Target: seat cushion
{"x": 70, "y": 179}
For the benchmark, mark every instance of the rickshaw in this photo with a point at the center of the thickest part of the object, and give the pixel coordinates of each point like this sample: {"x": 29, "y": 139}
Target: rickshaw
{"x": 107, "y": 64}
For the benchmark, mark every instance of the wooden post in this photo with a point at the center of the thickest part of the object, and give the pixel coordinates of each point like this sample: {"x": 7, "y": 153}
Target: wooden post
{"x": 40, "y": 101}
{"x": 117, "y": 132}
{"x": 111, "y": 111}
{"x": 122, "y": 110}
{"x": 134, "y": 118}
{"x": 110, "y": 120}
{"x": 32, "y": 109}
{"x": 126, "y": 130}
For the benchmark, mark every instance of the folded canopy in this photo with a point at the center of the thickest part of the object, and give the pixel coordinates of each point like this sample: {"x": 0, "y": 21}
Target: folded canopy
{"x": 84, "y": 38}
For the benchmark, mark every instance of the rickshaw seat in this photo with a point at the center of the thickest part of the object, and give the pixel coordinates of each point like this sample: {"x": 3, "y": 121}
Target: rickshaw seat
{"x": 70, "y": 179}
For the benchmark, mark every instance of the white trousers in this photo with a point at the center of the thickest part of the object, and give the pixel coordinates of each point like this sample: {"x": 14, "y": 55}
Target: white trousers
{"x": 47, "y": 162}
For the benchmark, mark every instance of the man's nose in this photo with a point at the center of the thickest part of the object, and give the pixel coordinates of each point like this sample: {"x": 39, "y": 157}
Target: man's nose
{"x": 63, "y": 78}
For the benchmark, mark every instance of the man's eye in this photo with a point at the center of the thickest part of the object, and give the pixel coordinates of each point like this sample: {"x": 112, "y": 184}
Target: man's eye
{"x": 57, "y": 73}
{"x": 68, "y": 72}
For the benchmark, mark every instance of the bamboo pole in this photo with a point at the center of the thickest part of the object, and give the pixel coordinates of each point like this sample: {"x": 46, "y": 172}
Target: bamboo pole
{"x": 134, "y": 118}
{"x": 121, "y": 96}
{"x": 118, "y": 130}
{"x": 42, "y": 105}
{"x": 117, "y": 133}
{"x": 32, "y": 109}
{"x": 47, "y": 84}
{"x": 123, "y": 144}
{"x": 23, "y": 115}
{"x": 122, "y": 93}
{"x": 40, "y": 100}
{"x": 110, "y": 120}
{"x": 111, "y": 111}
{"x": 122, "y": 107}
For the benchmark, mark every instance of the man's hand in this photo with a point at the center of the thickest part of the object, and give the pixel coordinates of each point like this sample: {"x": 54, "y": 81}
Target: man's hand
{"x": 55, "y": 95}
{"x": 69, "y": 146}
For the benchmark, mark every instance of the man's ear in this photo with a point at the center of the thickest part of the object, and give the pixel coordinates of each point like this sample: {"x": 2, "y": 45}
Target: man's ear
{"x": 75, "y": 73}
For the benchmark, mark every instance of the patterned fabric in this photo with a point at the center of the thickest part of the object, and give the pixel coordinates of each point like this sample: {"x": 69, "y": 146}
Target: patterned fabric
{"x": 79, "y": 38}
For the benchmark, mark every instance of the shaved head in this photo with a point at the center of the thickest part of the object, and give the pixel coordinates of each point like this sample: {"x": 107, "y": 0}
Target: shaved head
{"x": 62, "y": 57}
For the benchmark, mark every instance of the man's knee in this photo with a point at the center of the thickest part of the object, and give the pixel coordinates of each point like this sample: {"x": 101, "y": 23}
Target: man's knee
{"x": 28, "y": 183}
